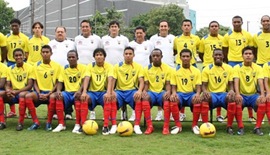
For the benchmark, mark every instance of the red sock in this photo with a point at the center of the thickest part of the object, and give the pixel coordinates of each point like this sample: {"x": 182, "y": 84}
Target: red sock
{"x": 175, "y": 113}
{"x": 204, "y": 111}
{"x": 31, "y": 107}
{"x": 239, "y": 115}
{"x": 196, "y": 114}
{"x": 183, "y": 110}
{"x": 147, "y": 112}
{"x": 166, "y": 109}
{"x": 138, "y": 112}
{"x": 13, "y": 108}
{"x": 2, "y": 116}
{"x": 51, "y": 110}
{"x": 218, "y": 111}
{"x": 78, "y": 111}
{"x": 106, "y": 113}
{"x": 268, "y": 111}
{"x": 84, "y": 111}
{"x": 22, "y": 107}
{"x": 250, "y": 112}
{"x": 113, "y": 112}
{"x": 59, "y": 107}
{"x": 260, "y": 114}
{"x": 231, "y": 110}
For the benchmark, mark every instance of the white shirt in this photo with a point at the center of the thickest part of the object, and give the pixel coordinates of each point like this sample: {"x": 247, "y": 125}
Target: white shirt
{"x": 165, "y": 44}
{"x": 114, "y": 48}
{"x": 86, "y": 46}
{"x": 142, "y": 52}
{"x": 60, "y": 50}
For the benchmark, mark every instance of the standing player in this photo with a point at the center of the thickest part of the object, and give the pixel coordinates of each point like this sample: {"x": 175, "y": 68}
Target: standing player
{"x": 3, "y": 77}
{"x": 157, "y": 77}
{"x": 216, "y": 79}
{"x": 3, "y": 47}
{"x": 186, "y": 89}
{"x": 71, "y": 78}
{"x": 248, "y": 77}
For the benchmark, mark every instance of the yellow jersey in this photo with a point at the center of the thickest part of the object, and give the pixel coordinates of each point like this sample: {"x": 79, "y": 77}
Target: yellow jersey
{"x": 261, "y": 41}
{"x": 266, "y": 72}
{"x": 3, "y": 70}
{"x": 3, "y": 42}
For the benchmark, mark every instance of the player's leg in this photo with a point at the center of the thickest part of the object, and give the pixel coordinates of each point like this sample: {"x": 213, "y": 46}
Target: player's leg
{"x": 106, "y": 104}
{"x": 167, "y": 112}
{"x": 51, "y": 104}
{"x": 260, "y": 108}
{"x": 119, "y": 99}
{"x": 77, "y": 105}
{"x": 138, "y": 114}
{"x": 2, "y": 110}
{"x": 146, "y": 107}
{"x": 30, "y": 99}
{"x": 174, "y": 108}
{"x": 182, "y": 114}
{"x": 251, "y": 118}
{"x": 59, "y": 108}
{"x": 22, "y": 108}
{"x": 239, "y": 114}
{"x": 191, "y": 100}
{"x": 231, "y": 111}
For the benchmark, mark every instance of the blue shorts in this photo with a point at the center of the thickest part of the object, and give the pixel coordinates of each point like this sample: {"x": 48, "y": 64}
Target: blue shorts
{"x": 68, "y": 98}
{"x": 125, "y": 97}
{"x": 185, "y": 99}
{"x": 96, "y": 99}
{"x": 234, "y": 63}
{"x": 38, "y": 103}
{"x": 250, "y": 101}
{"x": 219, "y": 100}
{"x": 15, "y": 99}
{"x": 156, "y": 99}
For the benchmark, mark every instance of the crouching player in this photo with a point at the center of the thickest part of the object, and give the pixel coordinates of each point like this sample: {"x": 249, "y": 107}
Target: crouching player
{"x": 216, "y": 78}
{"x": 186, "y": 89}
{"x": 248, "y": 77}
{"x": 94, "y": 88}
{"x": 71, "y": 78}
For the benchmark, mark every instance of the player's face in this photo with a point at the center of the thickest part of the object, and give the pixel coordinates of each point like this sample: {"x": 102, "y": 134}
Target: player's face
{"x": 60, "y": 34}
{"x": 237, "y": 24}
{"x": 72, "y": 58}
{"x": 213, "y": 28}
{"x": 139, "y": 35}
{"x": 46, "y": 54}
{"x": 156, "y": 57}
{"x": 185, "y": 57}
{"x": 218, "y": 57}
{"x": 186, "y": 27}
{"x": 18, "y": 56}
{"x": 265, "y": 21}
{"x": 163, "y": 28}
{"x": 128, "y": 55}
{"x": 99, "y": 57}
{"x": 114, "y": 29}
{"x": 86, "y": 29}
{"x": 248, "y": 56}
{"x": 37, "y": 30}
{"x": 15, "y": 27}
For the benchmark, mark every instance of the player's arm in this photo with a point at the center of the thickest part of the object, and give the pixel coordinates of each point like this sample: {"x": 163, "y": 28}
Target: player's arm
{"x": 173, "y": 97}
{"x": 168, "y": 90}
{"x": 3, "y": 54}
{"x": 267, "y": 90}
{"x": 205, "y": 93}
{"x": 225, "y": 53}
{"x": 110, "y": 94}
{"x": 238, "y": 97}
{"x": 197, "y": 96}
{"x": 26, "y": 88}
{"x": 58, "y": 90}
{"x": 9, "y": 89}
{"x": 262, "y": 96}
{"x": 2, "y": 83}
{"x": 201, "y": 55}
{"x": 78, "y": 93}
{"x": 145, "y": 89}
{"x": 255, "y": 53}
{"x": 84, "y": 88}
{"x": 138, "y": 94}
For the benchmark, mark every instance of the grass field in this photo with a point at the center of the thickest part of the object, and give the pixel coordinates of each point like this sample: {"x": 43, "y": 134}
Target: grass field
{"x": 43, "y": 142}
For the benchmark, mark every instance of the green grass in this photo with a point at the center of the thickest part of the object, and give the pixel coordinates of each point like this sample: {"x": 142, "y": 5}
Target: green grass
{"x": 42, "y": 142}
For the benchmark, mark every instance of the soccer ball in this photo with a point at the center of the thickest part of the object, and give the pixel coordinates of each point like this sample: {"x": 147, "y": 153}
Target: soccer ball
{"x": 90, "y": 127}
{"x": 125, "y": 128}
{"x": 207, "y": 130}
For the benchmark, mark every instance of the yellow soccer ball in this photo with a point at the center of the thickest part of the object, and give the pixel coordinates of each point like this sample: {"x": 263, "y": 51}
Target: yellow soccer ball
{"x": 90, "y": 127}
{"x": 207, "y": 130}
{"x": 125, "y": 128}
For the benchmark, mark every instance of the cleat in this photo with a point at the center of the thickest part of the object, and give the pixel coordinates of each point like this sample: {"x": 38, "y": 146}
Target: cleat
{"x": 196, "y": 130}
{"x": 2, "y": 126}
{"x": 19, "y": 127}
{"x": 92, "y": 115}
{"x": 123, "y": 115}
{"x": 258, "y": 131}
{"x": 230, "y": 131}
{"x": 175, "y": 130}
{"x": 33, "y": 127}
{"x": 105, "y": 130}
{"x": 137, "y": 129}
{"x": 182, "y": 117}
{"x": 113, "y": 129}
{"x": 252, "y": 120}
{"x": 11, "y": 114}
{"x": 48, "y": 127}
{"x": 55, "y": 116}
{"x": 59, "y": 128}
{"x": 159, "y": 116}
{"x": 132, "y": 117}
{"x": 80, "y": 131}
{"x": 165, "y": 131}
{"x": 240, "y": 131}
{"x": 76, "y": 128}
{"x": 220, "y": 119}
{"x": 149, "y": 130}
{"x": 68, "y": 117}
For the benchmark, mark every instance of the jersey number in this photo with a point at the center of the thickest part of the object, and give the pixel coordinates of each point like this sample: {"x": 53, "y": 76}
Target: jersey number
{"x": 35, "y": 48}
{"x": 98, "y": 77}
{"x": 19, "y": 78}
{"x": 247, "y": 78}
{"x": 238, "y": 42}
{"x": 213, "y": 47}
{"x": 217, "y": 79}
{"x": 13, "y": 45}
{"x": 72, "y": 79}
{"x": 126, "y": 76}
{"x": 184, "y": 81}
{"x": 157, "y": 78}
{"x": 267, "y": 44}
{"x": 45, "y": 75}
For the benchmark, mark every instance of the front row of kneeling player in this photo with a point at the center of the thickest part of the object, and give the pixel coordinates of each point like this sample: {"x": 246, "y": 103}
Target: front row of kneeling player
{"x": 100, "y": 83}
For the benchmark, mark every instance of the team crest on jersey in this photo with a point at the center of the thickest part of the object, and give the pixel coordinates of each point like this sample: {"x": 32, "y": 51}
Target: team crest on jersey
{"x": 145, "y": 48}
{"x": 66, "y": 45}
{"x": 52, "y": 72}
{"x": 225, "y": 74}
{"x": 220, "y": 44}
{"x": 80, "y": 42}
{"x": 158, "y": 43}
{"x": 191, "y": 42}
{"x": 244, "y": 40}
{"x": 20, "y": 42}
{"x": 133, "y": 73}
{"x": 119, "y": 42}
{"x": 107, "y": 43}
{"x": 191, "y": 77}
{"x": 254, "y": 74}
{"x": 79, "y": 75}
{"x": 92, "y": 41}
{"x": 24, "y": 75}
{"x": 170, "y": 41}
{"x": 42, "y": 44}
{"x": 162, "y": 76}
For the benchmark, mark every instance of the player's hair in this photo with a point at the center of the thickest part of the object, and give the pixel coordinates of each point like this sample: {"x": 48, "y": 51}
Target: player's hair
{"x": 60, "y": 27}
{"x": 185, "y": 50}
{"x": 213, "y": 22}
{"x": 18, "y": 50}
{"x": 156, "y": 49}
{"x": 73, "y": 51}
{"x": 114, "y": 22}
{"x": 265, "y": 16}
{"x": 217, "y": 49}
{"x": 164, "y": 20}
{"x": 187, "y": 20}
{"x": 238, "y": 17}
{"x": 37, "y": 23}
{"x": 247, "y": 48}
{"x": 15, "y": 20}
{"x": 46, "y": 47}
{"x": 129, "y": 48}
{"x": 86, "y": 21}
{"x": 99, "y": 50}
{"x": 140, "y": 28}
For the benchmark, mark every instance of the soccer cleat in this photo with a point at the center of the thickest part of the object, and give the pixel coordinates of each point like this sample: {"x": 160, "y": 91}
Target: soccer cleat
{"x": 182, "y": 117}
{"x": 113, "y": 129}
{"x": 220, "y": 119}
{"x": 123, "y": 115}
{"x": 105, "y": 130}
{"x": 240, "y": 131}
{"x": 19, "y": 127}
{"x": 252, "y": 120}
{"x": 258, "y": 131}
{"x": 175, "y": 130}
{"x": 11, "y": 114}
{"x": 68, "y": 117}
{"x": 132, "y": 117}
{"x": 196, "y": 130}
{"x": 137, "y": 129}
{"x": 2, "y": 126}
{"x": 33, "y": 127}
{"x": 55, "y": 116}
{"x": 59, "y": 128}
{"x": 48, "y": 127}
{"x": 165, "y": 131}
{"x": 76, "y": 128}
{"x": 159, "y": 116}
{"x": 230, "y": 131}
{"x": 92, "y": 115}
{"x": 149, "y": 130}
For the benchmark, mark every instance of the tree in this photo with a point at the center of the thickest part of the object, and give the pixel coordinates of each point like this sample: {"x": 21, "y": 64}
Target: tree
{"x": 6, "y": 14}
{"x": 204, "y": 31}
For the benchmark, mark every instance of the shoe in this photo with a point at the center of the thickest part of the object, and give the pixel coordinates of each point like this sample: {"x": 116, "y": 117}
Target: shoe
{"x": 230, "y": 131}
{"x": 55, "y": 116}
{"x": 113, "y": 129}
{"x": 68, "y": 117}
{"x": 258, "y": 131}
{"x": 159, "y": 116}
{"x": 2, "y": 126}
{"x": 19, "y": 127}
{"x": 59, "y": 128}
{"x": 252, "y": 120}
{"x": 11, "y": 114}
{"x": 48, "y": 127}
{"x": 182, "y": 117}
{"x": 200, "y": 119}
{"x": 123, "y": 115}
{"x": 263, "y": 121}
{"x": 137, "y": 129}
{"x": 76, "y": 128}
{"x": 105, "y": 130}
{"x": 175, "y": 130}
{"x": 220, "y": 119}
{"x": 149, "y": 130}
{"x": 165, "y": 131}
{"x": 240, "y": 131}
{"x": 225, "y": 119}
{"x": 196, "y": 130}
{"x": 92, "y": 115}
{"x": 132, "y": 117}
{"x": 33, "y": 127}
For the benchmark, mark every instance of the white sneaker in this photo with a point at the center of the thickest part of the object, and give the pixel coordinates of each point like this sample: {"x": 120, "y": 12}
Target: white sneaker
{"x": 159, "y": 116}
{"x": 59, "y": 128}
{"x": 137, "y": 129}
{"x": 175, "y": 130}
{"x": 68, "y": 117}
{"x": 123, "y": 115}
{"x": 76, "y": 128}
{"x": 132, "y": 117}
{"x": 196, "y": 130}
{"x": 113, "y": 129}
{"x": 200, "y": 119}
{"x": 220, "y": 119}
{"x": 171, "y": 118}
{"x": 182, "y": 117}
{"x": 55, "y": 116}
{"x": 92, "y": 115}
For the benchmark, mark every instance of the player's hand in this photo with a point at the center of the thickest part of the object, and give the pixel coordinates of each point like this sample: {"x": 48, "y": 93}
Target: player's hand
{"x": 167, "y": 95}
{"x": 43, "y": 97}
{"x": 268, "y": 97}
{"x": 137, "y": 96}
{"x": 197, "y": 98}
{"x": 9, "y": 94}
{"x": 261, "y": 99}
{"x": 231, "y": 96}
{"x": 144, "y": 94}
{"x": 58, "y": 95}
{"x": 83, "y": 97}
{"x": 77, "y": 95}
{"x": 238, "y": 99}
{"x": 206, "y": 95}
{"x": 173, "y": 97}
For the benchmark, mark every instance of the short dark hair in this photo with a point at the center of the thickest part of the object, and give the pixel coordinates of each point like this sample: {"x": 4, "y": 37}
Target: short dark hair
{"x": 156, "y": 49}
{"x": 217, "y": 49}
{"x": 73, "y": 51}
{"x": 265, "y": 16}
{"x": 247, "y": 48}
{"x": 15, "y": 20}
{"x": 60, "y": 27}
{"x": 86, "y": 21}
{"x": 17, "y": 50}
{"x": 114, "y": 22}
{"x": 139, "y": 28}
{"x": 129, "y": 48}
{"x": 238, "y": 17}
{"x": 213, "y": 22}
{"x": 185, "y": 50}
{"x": 101, "y": 50}
{"x": 37, "y": 23}
{"x": 46, "y": 47}
{"x": 187, "y": 20}
{"x": 164, "y": 20}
